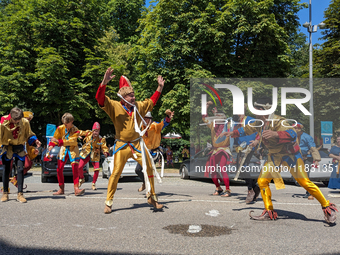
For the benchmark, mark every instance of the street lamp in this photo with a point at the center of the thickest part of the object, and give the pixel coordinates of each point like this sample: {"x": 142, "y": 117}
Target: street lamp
{"x": 311, "y": 29}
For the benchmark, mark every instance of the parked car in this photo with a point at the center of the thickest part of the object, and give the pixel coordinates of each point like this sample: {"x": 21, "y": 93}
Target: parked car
{"x": 196, "y": 167}
{"x": 49, "y": 168}
{"x": 129, "y": 168}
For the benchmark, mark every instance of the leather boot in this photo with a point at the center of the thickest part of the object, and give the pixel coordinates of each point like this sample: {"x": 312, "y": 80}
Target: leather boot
{"x": 330, "y": 213}
{"x": 77, "y": 191}
{"x": 21, "y": 198}
{"x": 257, "y": 192}
{"x": 250, "y": 196}
{"x": 266, "y": 215}
{"x": 154, "y": 203}
{"x": 107, "y": 209}
{"x": 4, "y": 197}
{"x": 142, "y": 188}
{"x": 60, "y": 191}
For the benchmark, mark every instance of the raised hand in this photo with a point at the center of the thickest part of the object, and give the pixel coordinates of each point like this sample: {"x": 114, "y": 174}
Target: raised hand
{"x": 160, "y": 81}
{"x": 108, "y": 76}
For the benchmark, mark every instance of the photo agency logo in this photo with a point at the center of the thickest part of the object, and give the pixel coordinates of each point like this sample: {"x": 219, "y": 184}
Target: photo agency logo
{"x": 266, "y": 110}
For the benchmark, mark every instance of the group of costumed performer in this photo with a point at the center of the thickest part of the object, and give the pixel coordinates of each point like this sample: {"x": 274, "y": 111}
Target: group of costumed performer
{"x": 220, "y": 153}
{"x": 127, "y": 116}
{"x": 93, "y": 144}
{"x": 284, "y": 151}
{"x": 15, "y": 132}
{"x": 65, "y": 137}
{"x": 152, "y": 140}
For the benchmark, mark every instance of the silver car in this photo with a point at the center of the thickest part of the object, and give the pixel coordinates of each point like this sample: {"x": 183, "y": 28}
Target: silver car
{"x": 129, "y": 168}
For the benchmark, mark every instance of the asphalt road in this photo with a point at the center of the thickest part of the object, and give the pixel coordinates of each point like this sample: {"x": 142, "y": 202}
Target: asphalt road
{"x": 77, "y": 225}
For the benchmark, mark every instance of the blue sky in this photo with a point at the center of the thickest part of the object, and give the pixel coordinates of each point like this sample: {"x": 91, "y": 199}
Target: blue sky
{"x": 318, "y": 8}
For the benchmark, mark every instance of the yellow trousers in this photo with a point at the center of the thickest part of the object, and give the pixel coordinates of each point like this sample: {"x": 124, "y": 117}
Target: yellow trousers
{"x": 300, "y": 175}
{"x": 120, "y": 159}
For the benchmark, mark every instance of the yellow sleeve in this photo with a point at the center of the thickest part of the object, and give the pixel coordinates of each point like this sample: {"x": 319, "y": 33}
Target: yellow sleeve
{"x": 57, "y": 133}
{"x": 104, "y": 147}
{"x": 109, "y": 107}
{"x": 84, "y": 133}
{"x": 30, "y": 132}
{"x": 158, "y": 127}
{"x": 145, "y": 106}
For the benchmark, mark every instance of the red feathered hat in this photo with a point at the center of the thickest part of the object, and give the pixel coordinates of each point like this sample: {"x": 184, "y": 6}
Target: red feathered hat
{"x": 124, "y": 86}
{"x": 96, "y": 125}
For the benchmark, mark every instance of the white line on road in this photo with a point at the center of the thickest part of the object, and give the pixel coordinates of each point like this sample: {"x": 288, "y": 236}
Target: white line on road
{"x": 173, "y": 200}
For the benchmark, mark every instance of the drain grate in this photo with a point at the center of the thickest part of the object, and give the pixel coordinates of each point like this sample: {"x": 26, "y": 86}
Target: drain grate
{"x": 204, "y": 230}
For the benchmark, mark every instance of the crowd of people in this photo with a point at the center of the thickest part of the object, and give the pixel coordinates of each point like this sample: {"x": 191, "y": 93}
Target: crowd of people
{"x": 138, "y": 136}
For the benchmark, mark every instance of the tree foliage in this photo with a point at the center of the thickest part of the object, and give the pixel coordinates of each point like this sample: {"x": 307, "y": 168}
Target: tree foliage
{"x": 182, "y": 39}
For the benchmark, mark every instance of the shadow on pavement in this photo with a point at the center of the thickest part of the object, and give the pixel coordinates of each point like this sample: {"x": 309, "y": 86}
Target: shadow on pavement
{"x": 9, "y": 249}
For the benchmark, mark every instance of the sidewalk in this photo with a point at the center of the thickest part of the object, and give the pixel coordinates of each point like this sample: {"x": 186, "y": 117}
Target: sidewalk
{"x": 168, "y": 172}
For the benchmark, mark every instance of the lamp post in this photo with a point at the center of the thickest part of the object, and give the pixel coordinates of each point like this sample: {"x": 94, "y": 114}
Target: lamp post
{"x": 311, "y": 29}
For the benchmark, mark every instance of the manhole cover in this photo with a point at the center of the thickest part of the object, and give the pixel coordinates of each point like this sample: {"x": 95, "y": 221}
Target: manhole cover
{"x": 198, "y": 230}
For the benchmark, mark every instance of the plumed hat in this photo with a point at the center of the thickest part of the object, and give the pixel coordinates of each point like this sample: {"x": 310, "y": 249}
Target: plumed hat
{"x": 125, "y": 87}
{"x": 96, "y": 125}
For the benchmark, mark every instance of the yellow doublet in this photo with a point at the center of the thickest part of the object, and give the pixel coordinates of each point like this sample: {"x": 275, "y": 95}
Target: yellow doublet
{"x": 152, "y": 137}
{"x": 125, "y": 132}
{"x": 214, "y": 138}
{"x": 124, "y": 124}
{"x": 69, "y": 139}
{"x": 6, "y": 136}
{"x": 275, "y": 150}
{"x": 92, "y": 146}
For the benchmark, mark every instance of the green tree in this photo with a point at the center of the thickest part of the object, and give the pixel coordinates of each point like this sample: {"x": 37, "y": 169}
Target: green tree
{"x": 327, "y": 60}
{"x": 327, "y": 65}
{"x": 124, "y": 17}
{"x": 181, "y": 39}
{"x": 43, "y": 50}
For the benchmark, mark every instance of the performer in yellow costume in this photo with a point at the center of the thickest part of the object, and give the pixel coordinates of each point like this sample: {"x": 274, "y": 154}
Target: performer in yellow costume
{"x": 66, "y": 137}
{"x": 15, "y": 131}
{"x": 126, "y": 117}
{"x": 31, "y": 152}
{"x": 93, "y": 144}
{"x": 284, "y": 154}
{"x": 152, "y": 139}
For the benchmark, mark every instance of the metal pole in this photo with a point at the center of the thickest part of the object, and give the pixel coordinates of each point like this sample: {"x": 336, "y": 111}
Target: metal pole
{"x": 311, "y": 108}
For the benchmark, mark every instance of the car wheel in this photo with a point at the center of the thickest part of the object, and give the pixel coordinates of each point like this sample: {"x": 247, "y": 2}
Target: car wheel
{"x": 86, "y": 177}
{"x": 43, "y": 179}
{"x": 104, "y": 176}
{"x": 184, "y": 172}
{"x": 325, "y": 183}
